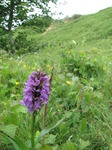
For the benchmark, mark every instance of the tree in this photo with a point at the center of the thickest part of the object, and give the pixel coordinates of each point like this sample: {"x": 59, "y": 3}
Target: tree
{"x": 12, "y": 12}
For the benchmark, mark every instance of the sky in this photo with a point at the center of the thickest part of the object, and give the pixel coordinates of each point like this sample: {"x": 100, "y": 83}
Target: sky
{"x": 83, "y": 7}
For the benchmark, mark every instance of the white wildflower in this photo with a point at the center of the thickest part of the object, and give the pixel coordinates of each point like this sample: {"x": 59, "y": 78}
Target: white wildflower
{"x": 74, "y": 42}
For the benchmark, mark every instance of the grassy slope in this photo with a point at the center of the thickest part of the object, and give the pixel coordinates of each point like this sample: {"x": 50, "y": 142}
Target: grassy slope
{"x": 92, "y": 34}
{"x": 88, "y": 28}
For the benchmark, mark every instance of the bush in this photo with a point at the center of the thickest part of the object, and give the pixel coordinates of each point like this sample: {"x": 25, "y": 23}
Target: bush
{"x": 4, "y": 39}
{"x": 76, "y": 16}
{"x": 39, "y": 23}
{"x": 23, "y": 45}
{"x": 82, "y": 65}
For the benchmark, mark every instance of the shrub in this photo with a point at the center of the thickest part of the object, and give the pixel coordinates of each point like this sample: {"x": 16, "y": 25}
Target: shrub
{"x": 4, "y": 39}
{"x": 83, "y": 65}
{"x": 39, "y": 23}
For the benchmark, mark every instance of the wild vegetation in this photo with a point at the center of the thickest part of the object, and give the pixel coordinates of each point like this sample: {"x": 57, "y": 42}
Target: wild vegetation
{"x": 80, "y": 103}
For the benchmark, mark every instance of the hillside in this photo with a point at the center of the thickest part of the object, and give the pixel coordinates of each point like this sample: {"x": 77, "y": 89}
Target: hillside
{"x": 79, "y": 115}
{"x": 85, "y": 30}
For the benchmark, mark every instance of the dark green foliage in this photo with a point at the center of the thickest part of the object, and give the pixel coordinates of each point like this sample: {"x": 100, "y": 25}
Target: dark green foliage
{"x": 21, "y": 41}
{"x": 16, "y": 11}
{"x": 83, "y": 65}
{"x": 4, "y": 39}
{"x": 76, "y": 16}
{"x": 22, "y": 44}
{"x": 39, "y": 24}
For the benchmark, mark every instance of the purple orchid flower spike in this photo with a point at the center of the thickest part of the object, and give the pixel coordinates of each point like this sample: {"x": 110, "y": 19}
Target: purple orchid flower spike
{"x": 36, "y": 91}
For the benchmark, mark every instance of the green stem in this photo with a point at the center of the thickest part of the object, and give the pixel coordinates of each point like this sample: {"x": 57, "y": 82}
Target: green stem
{"x": 32, "y": 131}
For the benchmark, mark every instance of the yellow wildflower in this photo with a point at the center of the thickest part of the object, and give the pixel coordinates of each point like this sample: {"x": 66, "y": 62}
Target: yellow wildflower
{"x": 20, "y": 62}
{"x": 68, "y": 52}
{"x": 68, "y": 82}
{"x": 17, "y": 83}
{"x": 24, "y": 66}
{"x": 48, "y": 66}
{"x": 34, "y": 68}
{"x": 104, "y": 68}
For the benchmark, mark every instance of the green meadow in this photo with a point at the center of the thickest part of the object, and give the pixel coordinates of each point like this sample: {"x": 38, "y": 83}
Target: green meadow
{"x": 79, "y": 115}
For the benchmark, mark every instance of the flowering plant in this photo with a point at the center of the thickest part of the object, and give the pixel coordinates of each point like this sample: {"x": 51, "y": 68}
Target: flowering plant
{"x": 36, "y": 94}
{"x": 36, "y": 91}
